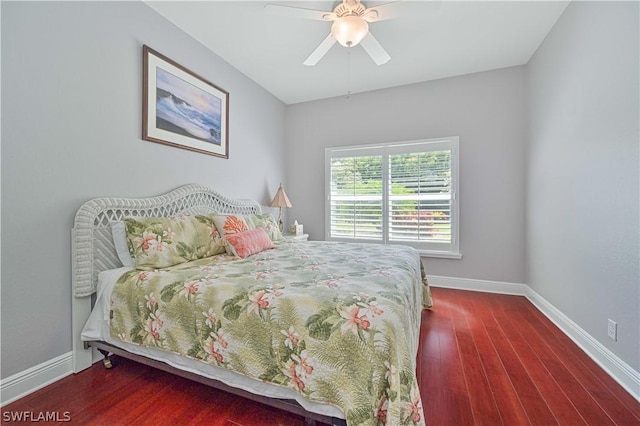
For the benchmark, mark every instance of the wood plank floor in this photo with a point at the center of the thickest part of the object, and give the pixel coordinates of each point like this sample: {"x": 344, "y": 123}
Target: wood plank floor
{"x": 484, "y": 359}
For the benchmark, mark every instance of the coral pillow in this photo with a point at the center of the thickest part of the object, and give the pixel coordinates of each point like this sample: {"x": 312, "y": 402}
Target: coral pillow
{"x": 246, "y": 243}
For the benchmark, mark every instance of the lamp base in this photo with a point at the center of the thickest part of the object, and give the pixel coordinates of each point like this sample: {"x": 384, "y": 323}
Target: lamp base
{"x": 280, "y": 224}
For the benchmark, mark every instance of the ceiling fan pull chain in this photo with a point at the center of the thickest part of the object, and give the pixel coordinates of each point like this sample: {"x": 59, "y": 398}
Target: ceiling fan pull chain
{"x": 349, "y": 72}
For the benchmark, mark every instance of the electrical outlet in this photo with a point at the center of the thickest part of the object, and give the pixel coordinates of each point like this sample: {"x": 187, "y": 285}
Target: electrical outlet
{"x": 612, "y": 330}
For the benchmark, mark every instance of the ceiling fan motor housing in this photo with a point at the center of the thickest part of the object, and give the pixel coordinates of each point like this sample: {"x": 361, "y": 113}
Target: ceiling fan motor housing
{"x": 349, "y": 7}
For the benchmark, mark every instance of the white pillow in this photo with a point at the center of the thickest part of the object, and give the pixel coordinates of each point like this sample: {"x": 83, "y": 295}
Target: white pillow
{"x": 120, "y": 241}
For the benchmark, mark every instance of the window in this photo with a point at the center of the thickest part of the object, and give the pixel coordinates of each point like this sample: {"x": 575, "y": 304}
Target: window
{"x": 396, "y": 193}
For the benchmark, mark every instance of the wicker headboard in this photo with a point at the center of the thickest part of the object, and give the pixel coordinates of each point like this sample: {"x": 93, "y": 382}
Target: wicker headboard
{"x": 93, "y": 250}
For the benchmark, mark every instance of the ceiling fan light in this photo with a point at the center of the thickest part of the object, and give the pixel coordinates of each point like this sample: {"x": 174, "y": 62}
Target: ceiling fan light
{"x": 349, "y": 30}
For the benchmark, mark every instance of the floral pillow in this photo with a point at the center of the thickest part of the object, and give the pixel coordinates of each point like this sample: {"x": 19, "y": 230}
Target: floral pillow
{"x": 243, "y": 244}
{"x": 229, "y": 224}
{"x": 267, "y": 222}
{"x": 160, "y": 242}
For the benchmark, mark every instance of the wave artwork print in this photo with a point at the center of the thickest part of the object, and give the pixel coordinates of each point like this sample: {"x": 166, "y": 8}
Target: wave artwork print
{"x": 187, "y": 110}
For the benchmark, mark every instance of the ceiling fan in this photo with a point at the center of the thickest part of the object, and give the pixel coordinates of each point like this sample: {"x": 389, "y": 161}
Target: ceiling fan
{"x": 350, "y": 26}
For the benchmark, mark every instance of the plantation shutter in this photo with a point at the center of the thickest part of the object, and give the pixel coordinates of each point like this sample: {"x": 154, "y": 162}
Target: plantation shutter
{"x": 396, "y": 193}
{"x": 419, "y": 186}
{"x": 356, "y": 198}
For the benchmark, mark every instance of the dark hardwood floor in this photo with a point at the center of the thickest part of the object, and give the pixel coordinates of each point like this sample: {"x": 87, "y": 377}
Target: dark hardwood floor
{"x": 484, "y": 359}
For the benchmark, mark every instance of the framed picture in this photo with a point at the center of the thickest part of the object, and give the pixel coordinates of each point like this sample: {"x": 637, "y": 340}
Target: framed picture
{"x": 182, "y": 109}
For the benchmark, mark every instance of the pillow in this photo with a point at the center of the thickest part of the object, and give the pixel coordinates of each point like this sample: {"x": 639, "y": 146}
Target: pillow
{"x": 229, "y": 224}
{"x": 160, "y": 242}
{"x": 120, "y": 241}
{"x": 265, "y": 221}
{"x": 246, "y": 243}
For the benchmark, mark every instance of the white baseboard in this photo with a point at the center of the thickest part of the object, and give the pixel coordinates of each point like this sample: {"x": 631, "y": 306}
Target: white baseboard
{"x": 30, "y": 380}
{"x": 620, "y": 371}
{"x": 478, "y": 285}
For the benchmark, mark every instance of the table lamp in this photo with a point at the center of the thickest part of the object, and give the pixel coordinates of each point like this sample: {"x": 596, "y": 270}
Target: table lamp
{"x": 280, "y": 200}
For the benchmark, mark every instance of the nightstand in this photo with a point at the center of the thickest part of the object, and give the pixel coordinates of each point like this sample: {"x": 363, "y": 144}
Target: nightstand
{"x": 291, "y": 237}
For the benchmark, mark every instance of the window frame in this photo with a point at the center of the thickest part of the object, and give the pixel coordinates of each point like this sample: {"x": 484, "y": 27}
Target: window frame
{"x": 451, "y": 143}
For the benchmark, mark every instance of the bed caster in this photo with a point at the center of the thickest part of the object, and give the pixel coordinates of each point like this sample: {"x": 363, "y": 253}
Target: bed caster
{"x": 106, "y": 361}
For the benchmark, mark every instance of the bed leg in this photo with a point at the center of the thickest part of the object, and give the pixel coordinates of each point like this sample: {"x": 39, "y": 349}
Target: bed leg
{"x": 106, "y": 361}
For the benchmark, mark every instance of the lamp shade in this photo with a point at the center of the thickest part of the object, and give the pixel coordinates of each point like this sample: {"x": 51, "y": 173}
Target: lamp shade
{"x": 281, "y": 199}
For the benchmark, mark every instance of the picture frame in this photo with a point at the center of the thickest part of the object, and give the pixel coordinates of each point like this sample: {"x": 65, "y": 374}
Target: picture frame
{"x": 182, "y": 109}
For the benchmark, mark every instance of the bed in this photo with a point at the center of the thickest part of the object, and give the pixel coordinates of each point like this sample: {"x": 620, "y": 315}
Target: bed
{"x": 323, "y": 329}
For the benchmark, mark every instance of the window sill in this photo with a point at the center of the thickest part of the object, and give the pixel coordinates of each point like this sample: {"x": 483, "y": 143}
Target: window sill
{"x": 440, "y": 254}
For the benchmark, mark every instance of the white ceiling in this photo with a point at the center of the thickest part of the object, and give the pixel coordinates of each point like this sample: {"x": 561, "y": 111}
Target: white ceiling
{"x": 432, "y": 41}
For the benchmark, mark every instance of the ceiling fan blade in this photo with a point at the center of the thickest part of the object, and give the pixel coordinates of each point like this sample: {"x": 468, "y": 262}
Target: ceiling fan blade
{"x": 399, "y": 9}
{"x": 299, "y": 12}
{"x": 374, "y": 49}
{"x": 320, "y": 51}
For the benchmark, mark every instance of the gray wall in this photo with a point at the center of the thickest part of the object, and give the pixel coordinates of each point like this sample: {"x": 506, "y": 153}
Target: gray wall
{"x": 583, "y": 170}
{"x": 71, "y": 126}
{"x": 487, "y": 111}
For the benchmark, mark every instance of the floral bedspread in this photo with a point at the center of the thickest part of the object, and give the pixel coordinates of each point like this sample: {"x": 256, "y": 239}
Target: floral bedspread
{"x": 337, "y": 322}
